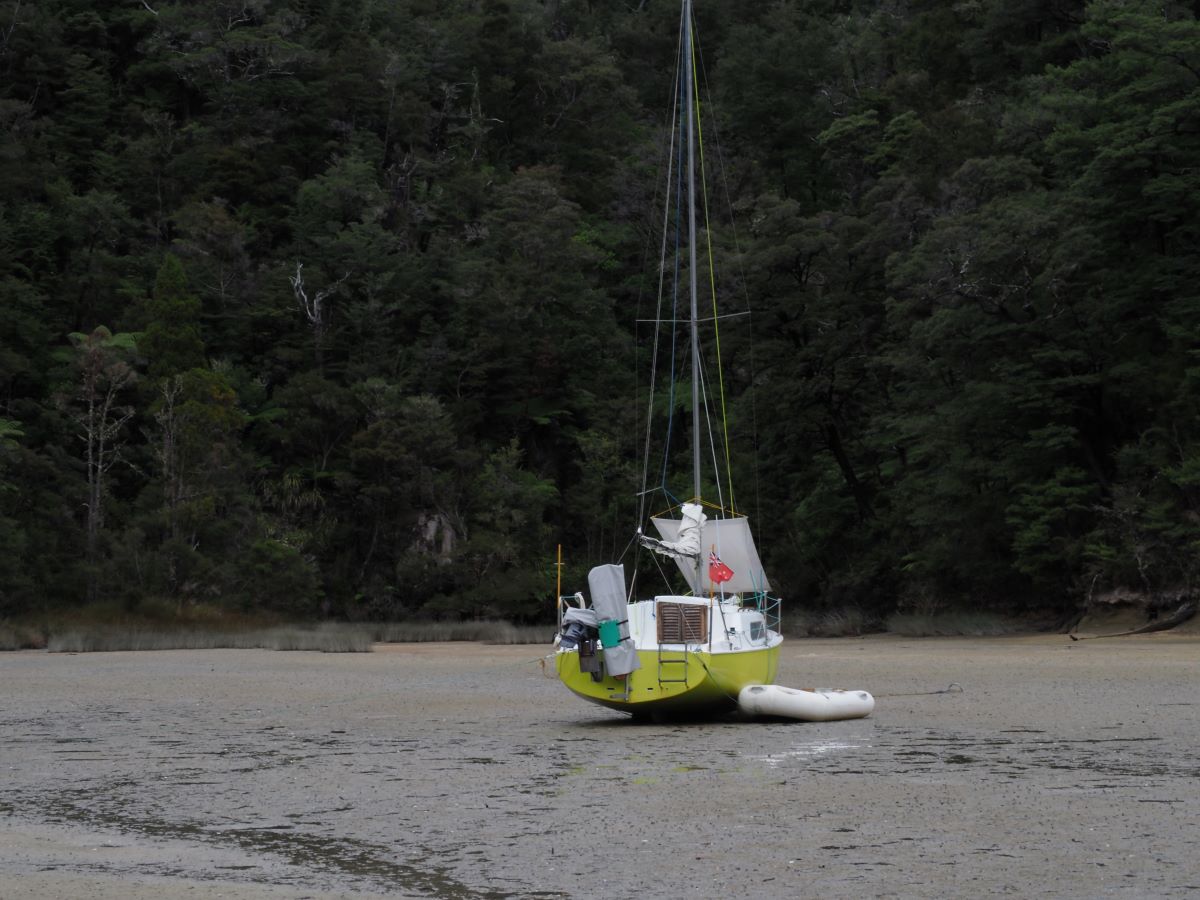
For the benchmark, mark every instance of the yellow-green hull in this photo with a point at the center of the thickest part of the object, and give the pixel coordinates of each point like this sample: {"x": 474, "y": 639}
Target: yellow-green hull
{"x": 707, "y": 683}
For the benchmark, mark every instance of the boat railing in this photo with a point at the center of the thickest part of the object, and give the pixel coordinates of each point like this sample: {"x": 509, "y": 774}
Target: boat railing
{"x": 768, "y": 605}
{"x": 569, "y": 601}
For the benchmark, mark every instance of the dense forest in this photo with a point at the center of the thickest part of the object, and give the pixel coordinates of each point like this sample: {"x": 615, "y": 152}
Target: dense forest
{"x": 329, "y": 307}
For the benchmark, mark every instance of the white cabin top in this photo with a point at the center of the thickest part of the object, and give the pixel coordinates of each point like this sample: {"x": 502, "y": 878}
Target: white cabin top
{"x": 687, "y": 621}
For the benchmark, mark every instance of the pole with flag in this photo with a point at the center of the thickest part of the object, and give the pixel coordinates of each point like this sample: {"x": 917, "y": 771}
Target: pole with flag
{"x": 718, "y": 572}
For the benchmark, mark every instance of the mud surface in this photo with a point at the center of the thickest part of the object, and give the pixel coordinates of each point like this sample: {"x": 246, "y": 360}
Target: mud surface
{"x": 463, "y": 771}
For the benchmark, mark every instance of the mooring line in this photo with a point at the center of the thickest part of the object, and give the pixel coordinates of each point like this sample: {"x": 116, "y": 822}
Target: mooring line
{"x": 953, "y": 688}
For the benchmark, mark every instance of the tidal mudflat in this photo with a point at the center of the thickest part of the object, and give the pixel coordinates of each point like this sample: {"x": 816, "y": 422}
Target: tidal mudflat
{"x": 464, "y": 771}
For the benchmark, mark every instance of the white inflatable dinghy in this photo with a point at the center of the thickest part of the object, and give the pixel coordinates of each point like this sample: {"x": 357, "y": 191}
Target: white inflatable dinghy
{"x": 820, "y": 705}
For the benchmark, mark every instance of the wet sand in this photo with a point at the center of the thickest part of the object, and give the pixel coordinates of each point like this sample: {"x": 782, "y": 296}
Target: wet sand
{"x": 463, "y": 771}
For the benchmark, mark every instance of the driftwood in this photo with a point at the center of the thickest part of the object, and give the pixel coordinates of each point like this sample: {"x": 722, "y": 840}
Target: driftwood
{"x": 1181, "y": 615}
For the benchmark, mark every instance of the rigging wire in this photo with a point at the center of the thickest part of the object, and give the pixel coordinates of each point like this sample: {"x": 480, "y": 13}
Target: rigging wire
{"x": 712, "y": 279}
{"x": 670, "y": 156}
{"x": 675, "y": 180}
{"x": 666, "y": 453}
{"x": 712, "y": 446}
{"x": 723, "y": 171}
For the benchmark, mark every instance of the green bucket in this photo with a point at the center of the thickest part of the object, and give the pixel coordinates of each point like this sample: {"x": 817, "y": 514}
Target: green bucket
{"x": 610, "y": 633}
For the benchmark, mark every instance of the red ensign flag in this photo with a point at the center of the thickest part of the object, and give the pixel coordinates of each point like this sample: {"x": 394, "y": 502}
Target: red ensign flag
{"x": 718, "y": 572}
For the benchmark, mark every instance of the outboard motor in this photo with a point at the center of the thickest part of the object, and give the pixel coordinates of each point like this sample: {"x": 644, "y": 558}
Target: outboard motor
{"x": 572, "y": 633}
{"x": 577, "y": 625}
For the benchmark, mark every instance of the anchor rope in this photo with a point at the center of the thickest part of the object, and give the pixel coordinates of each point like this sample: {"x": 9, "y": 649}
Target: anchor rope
{"x": 953, "y": 688}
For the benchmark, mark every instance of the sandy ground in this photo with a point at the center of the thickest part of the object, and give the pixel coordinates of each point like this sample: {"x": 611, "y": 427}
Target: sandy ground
{"x": 464, "y": 771}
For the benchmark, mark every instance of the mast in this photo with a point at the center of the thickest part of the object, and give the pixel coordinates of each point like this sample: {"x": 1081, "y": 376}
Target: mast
{"x": 689, "y": 79}
{"x": 688, "y": 76}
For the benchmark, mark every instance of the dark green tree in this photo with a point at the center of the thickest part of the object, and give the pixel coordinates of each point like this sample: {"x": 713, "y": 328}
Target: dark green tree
{"x": 171, "y": 341}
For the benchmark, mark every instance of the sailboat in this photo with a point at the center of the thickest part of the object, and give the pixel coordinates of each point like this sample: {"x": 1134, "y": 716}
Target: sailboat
{"x": 691, "y": 652}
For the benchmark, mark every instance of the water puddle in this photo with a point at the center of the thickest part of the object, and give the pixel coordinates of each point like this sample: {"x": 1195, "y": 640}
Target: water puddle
{"x": 806, "y": 751}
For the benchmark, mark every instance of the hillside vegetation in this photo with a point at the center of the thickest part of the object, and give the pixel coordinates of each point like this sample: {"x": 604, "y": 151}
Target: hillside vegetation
{"x": 330, "y": 307}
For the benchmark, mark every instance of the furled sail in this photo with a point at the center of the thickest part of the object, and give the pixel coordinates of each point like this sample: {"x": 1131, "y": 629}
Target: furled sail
{"x": 732, "y": 542}
{"x": 607, "y": 584}
{"x": 684, "y": 544}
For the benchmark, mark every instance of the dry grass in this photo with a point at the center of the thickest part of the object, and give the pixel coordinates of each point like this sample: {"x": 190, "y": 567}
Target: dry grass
{"x": 486, "y": 631}
{"x": 21, "y": 637}
{"x": 205, "y": 632}
{"x": 210, "y": 632}
{"x": 849, "y": 621}
{"x": 327, "y": 637}
{"x": 953, "y": 624}
{"x": 92, "y": 631}
{"x": 797, "y": 623}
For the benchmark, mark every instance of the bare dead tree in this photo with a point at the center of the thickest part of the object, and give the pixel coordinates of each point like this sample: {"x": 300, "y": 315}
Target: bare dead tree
{"x": 315, "y": 308}
{"x": 100, "y": 418}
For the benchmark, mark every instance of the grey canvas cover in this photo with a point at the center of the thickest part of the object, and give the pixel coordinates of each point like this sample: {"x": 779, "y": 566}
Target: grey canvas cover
{"x": 582, "y": 616}
{"x": 607, "y": 586}
{"x": 730, "y": 540}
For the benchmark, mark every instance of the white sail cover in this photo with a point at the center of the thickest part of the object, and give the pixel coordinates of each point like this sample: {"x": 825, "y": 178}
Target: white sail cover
{"x": 733, "y": 544}
{"x": 685, "y": 542}
{"x": 607, "y": 585}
